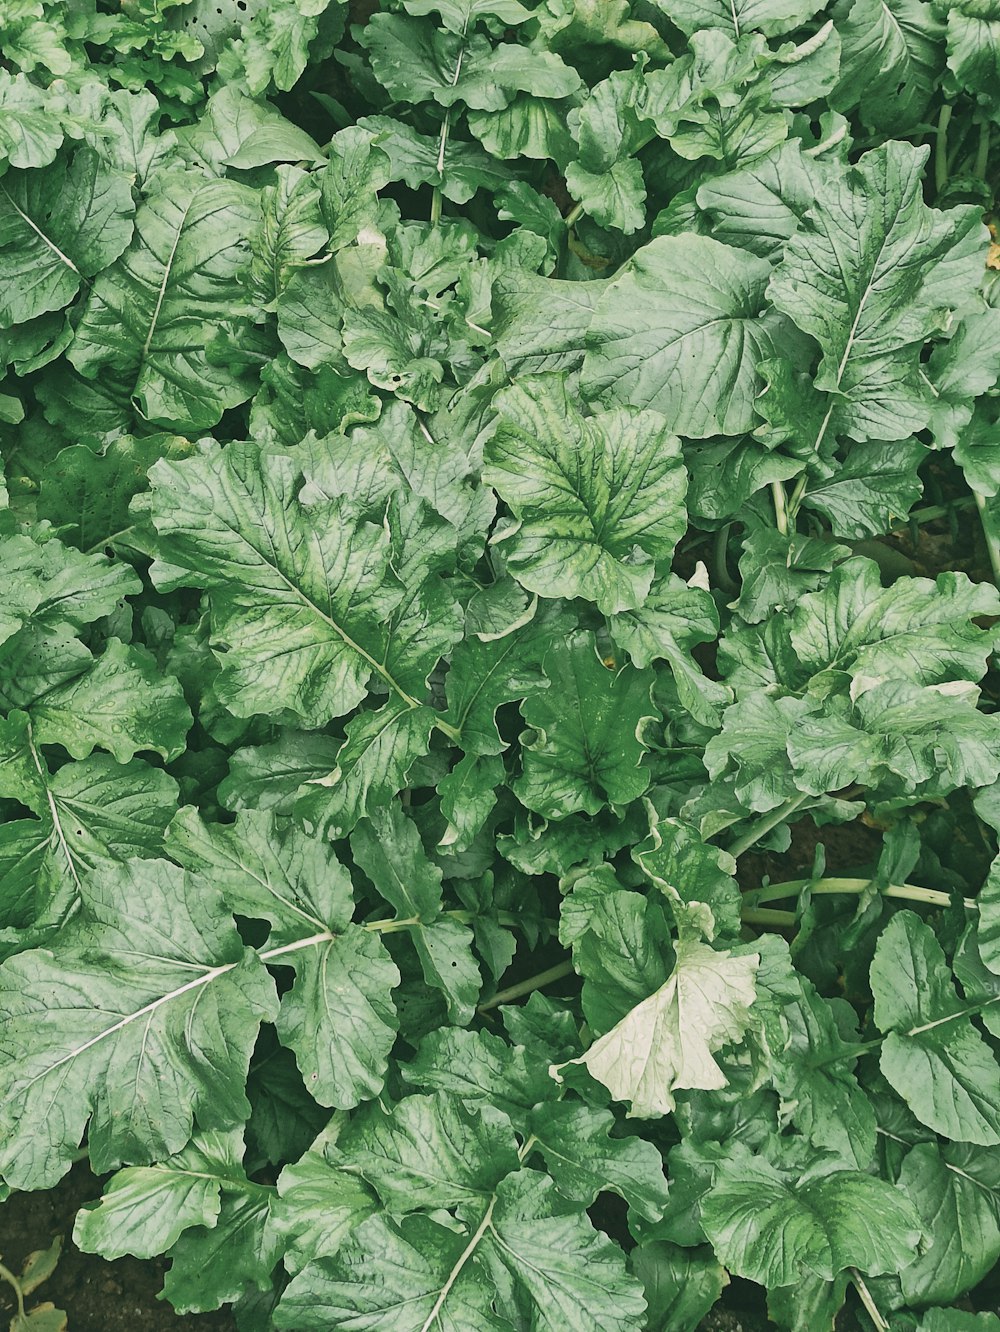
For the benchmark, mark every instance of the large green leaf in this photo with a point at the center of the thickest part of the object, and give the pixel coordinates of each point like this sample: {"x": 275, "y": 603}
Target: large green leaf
{"x": 431, "y": 1152}
{"x": 88, "y": 813}
{"x": 775, "y": 1231}
{"x": 302, "y": 595}
{"x": 150, "y": 318}
{"x": 543, "y": 1259}
{"x": 416, "y": 61}
{"x": 682, "y": 331}
{"x": 586, "y": 745}
{"x": 597, "y": 500}
{"x": 145, "y": 1209}
{"x": 143, "y": 1017}
{"x": 771, "y": 17}
{"x": 673, "y": 619}
{"x": 59, "y": 227}
{"x": 872, "y": 273}
{"x": 955, "y": 1189}
{"x": 338, "y": 1017}
{"x": 932, "y": 1054}
{"x": 893, "y": 54}
{"x": 123, "y": 704}
{"x": 388, "y": 848}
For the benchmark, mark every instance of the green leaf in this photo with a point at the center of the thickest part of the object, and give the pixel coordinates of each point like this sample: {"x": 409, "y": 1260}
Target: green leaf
{"x": 338, "y": 1017}
{"x": 961, "y": 369}
{"x": 696, "y": 879}
{"x": 490, "y": 670}
{"x": 955, "y": 1189}
{"x": 668, "y": 1041}
{"x": 123, "y": 704}
{"x": 290, "y": 232}
{"x": 813, "y": 1074}
{"x": 918, "y": 629}
{"x": 584, "y": 1160}
{"x": 268, "y": 776}
{"x": 621, "y": 946}
{"x": 673, "y": 619}
{"x": 318, "y": 1205}
{"x": 88, "y": 813}
{"x": 391, "y": 1278}
{"x": 932, "y": 1055}
{"x": 569, "y": 1275}
{"x": 357, "y": 170}
{"x": 150, "y": 317}
{"x": 858, "y": 277}
{"x": 775, "y": 1231}
{"x": 59, "y": 226}
{"x": 973, "y": 41}
{"x": 681, "y": 331}
{"x": 597, "y": 500}
{"x": 35, "y": 120}
{"x": 388, "y": 848}
{"x": 368, "y": 770}
{"x": 585, "y": 748}
{"x": 891, "y": 60}
{"x": 144, "y": 1016}
{"x": 770, "y": 17}
{"x": 213, "y": 1267}
{"x": 481, "y": 1068}
{"x": 86, "y": 490}
{"x": 302, "y": 594}
{"x": 145, "y": 1209}
{"x": 416, "y": 61}
{"x": 431, "y": 1152}
{"x": 680, "y": 1285}
{"x": 872, "y": 492}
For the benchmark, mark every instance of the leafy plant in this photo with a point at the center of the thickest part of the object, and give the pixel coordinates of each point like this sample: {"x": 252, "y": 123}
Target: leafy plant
{"x": 499, "y": 777}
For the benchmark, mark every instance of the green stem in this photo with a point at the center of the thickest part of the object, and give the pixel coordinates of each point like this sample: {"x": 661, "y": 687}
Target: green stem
{"x": 871, "y": 1308}
{"x": 906, "y": 892}
{"x": 763, "y": 826}
{"x": 989, "y": 535}
{"x": 796, "y": 498}
{"x": 780, "y": 511}
{"x": 722, "y": 576}
{"x": 393, "y": 926}
{"x": 930, "y": 512}
{"x": 528, "y": 986}
{"x": 7, "y": 1275}
{"x": 574, "y": 215}
{"x": 983, "y": 152}
{"x": 941, "y": 149}
{"x": 766, "y": 916}
{"x": 435, "y": 205}
{"x": 452, "y": 732}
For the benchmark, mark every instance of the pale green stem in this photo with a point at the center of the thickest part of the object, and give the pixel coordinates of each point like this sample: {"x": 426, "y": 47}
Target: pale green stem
{"x": 941, "y": 149}
{"x": 393, "y": 926}
{"x": 574, "y": 215}
{"x": 871, "y": 1308}
{"x": 989, "y": 534}
{"x": 528, "y": 986}
{"x": 796, "y": 498}
{"x": 763, "y": 826}
{"x": 906, "y": 892}
{"x": 767, "y": 916}
{"x": 7, "y": 1275}
{"x": 780, "y": 511}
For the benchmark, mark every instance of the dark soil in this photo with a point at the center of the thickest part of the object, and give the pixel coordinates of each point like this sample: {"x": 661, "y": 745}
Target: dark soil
{"x": 95, "y": 1295}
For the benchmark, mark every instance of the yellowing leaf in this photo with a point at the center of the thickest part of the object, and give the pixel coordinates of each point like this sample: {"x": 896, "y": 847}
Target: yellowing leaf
{"x": 668, "y": 1041}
